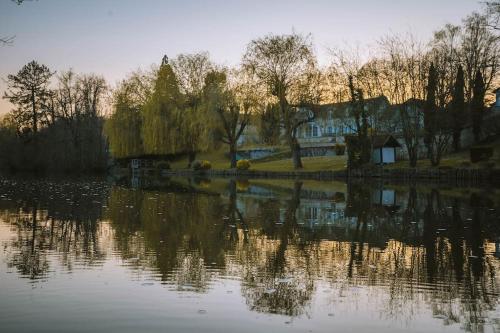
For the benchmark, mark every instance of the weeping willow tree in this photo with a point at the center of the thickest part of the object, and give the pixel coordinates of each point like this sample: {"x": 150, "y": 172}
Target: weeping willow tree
{"x": 124, "y": 128}
{"x": 155, "y": 114}
{"x": 198, "y": 130}
{"x": 161, "y": 119}
{"x": 196, "y": 127}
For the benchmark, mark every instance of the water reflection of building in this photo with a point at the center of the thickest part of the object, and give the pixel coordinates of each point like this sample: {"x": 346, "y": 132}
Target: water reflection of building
{"x": 315, "y": 213}
{"x": 316, "y": 209}
{"x": 385, "y": 197}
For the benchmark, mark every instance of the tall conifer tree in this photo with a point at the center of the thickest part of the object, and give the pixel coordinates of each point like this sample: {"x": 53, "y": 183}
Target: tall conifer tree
{"x": 457, "y": 108}
{"x": 477, "y": 105}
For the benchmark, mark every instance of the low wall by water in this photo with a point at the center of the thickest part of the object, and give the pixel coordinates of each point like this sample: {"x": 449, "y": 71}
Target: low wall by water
{"x": 441, "y": 175}
{"x": 449, "y": 176}
{"x": 320, "y": 175}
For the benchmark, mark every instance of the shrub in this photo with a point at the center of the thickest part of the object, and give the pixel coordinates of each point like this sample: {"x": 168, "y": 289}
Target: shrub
{"x": 243, "y": 165}
{"x": 480, "y": 153}
{"x": 163, "y": 165}
{"x": 338, "y": 197}
{"x": 487, "y": 165}
{"x": 242, "y": 185}
{"x": 339, "y": 149}
{"x": 202, "y": 165}
{"x": 204, "y": 183}
{"x": 358, "y": 151}
{"x": 206, "y": 165}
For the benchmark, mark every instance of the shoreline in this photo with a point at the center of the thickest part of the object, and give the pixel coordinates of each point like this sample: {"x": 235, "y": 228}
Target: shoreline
{"x": 443, "y": 175}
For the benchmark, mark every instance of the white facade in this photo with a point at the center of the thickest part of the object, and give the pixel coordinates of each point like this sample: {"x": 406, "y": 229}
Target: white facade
{"x": 384, "y": 155}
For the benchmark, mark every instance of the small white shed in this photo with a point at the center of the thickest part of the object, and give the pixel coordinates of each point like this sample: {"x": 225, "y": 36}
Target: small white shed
{"x": 384, "y": 149}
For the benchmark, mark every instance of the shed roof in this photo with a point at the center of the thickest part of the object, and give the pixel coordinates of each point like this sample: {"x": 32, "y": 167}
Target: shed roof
{"x": 379, "y": 141}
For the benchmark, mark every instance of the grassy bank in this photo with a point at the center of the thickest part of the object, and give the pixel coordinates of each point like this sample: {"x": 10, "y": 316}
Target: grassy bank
{"x": 220, "y": 161}
{"x": 281, "y": 161}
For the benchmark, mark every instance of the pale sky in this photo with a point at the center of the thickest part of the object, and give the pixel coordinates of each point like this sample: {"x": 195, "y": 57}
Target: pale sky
{"x": 115, "y": 37}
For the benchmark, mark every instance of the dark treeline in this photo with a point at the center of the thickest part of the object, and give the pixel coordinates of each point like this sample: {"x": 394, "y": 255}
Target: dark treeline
{"x": 189, "y": 104}
{"x": 53, "y": 129}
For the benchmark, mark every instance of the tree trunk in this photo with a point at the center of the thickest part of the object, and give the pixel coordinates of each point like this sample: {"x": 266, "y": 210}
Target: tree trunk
{"x": 191, "y": 158}
{"x": 412, "y": 155}
{"x": 232, "y": 155}
{"x": 435, "y": 159}
{"x": 296, "y": 158}
{"x": 34, "y": 115}
{"x": 433, "y": 152}
{"x": 456, "y": 140}
{"x": 476, "y": 126}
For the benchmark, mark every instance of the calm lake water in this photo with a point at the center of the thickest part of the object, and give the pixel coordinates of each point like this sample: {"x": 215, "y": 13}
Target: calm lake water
{"x": 199, "y": 255}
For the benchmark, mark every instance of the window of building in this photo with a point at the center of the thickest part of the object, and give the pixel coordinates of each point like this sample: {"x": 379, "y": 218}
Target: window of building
{"x": 312, "y": 213}
{"x": 308, "y": 132}
{"x": 315, "y": 131}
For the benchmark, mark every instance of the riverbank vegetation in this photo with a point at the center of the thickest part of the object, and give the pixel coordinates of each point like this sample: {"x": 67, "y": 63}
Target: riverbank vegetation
{"x": 190, "y": 108}
{"x": 56, "y": 128}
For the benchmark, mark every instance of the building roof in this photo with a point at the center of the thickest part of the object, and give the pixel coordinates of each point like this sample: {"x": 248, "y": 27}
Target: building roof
{"x": 341, "y": 110}
{"x": 379, "y": 141}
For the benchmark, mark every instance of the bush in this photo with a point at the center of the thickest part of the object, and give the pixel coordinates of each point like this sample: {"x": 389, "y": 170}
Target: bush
{"x": 465, "y": 164}
{"x": 487, "y": 165}
{"x": 162, "y": 165}
{"x": 204, "y": 183}
{"x": 202, "y": 165}
{"x": 339, "y": 149}
{"x": 358, "y": 151}
{"x": 482, "y": 153}
{"x": 243, "y": 165}
{"x": 242, "y": 185}
{"x": 338, "y": 197}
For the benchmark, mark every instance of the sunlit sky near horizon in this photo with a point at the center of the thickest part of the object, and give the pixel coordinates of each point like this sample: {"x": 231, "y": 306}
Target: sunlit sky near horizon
{"x": 115, "y": 37}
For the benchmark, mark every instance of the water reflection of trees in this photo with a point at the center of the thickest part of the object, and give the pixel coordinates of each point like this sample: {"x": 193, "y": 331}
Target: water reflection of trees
{"x": 447, "y": 266}
{"x": 53, "y": 220}
{"x": 425, "y": 250}
{"x": 278, "y": 267}
{"x": 429, "y": 249}
{"x": 179, "y": 235}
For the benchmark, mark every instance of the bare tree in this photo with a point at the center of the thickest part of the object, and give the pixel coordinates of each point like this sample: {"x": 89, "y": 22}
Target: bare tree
{"x": 279, "y": 62}
{"x": 480, "y": 51}
{"x": 405, "y": 74}
{"x": 8, "y": 40}
{"x": 232, "y": 111}
{"x": 445, "y": 55}
{"x": 493, "y": 13}
{"x": 77, "y": 103}
{"x": 191, "y": 71}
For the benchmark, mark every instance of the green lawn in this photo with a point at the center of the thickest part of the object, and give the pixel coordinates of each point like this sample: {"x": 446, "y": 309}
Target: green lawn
{"x": 320, "y": 163}
{"x": 219, "y": 161}
{"x": 282, "y": 162}
{"x": 455, "y": 160}
{"x": 217, "y": 158}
